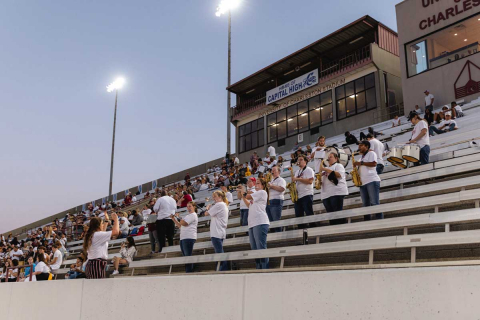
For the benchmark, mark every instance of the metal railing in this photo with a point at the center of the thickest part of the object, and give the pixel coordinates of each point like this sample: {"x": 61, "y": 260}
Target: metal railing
{"x": 338, "y": 65}
{"x": 18, "y": 274}
{"x": 387, "y": 113}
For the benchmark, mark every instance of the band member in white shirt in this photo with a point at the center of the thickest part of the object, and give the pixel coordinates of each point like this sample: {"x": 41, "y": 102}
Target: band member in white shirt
{"x": 271, "y": 152}
{"x": 370, "y": 188}
{"x": 228, "y": 194}
{"x": 318, "y": 153}
{"x": 188, "y": 232}
{"x": 258, "y": 223}
{"x": 243, "y": 207}
{"x": 165, "y": 207}
{"x": 276, "y": 192}
{"x": 420, "y": 136}
{"x": 334, "y": 187}
{"x": 304, "y": 180}
{"x": 218, "y": 224}
{"x": 377, "y": 147}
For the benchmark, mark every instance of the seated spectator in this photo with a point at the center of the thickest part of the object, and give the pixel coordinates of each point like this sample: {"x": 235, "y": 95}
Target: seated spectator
{"x": 42, "y": 271}
{"x": 28, "y": 269}
{"x": 372, "y": 132}
{"x": 458, "y": 109}
{"x": 293, "y": 159}
{"x": 127, "y": 252}
{"x": 438, "y": 117}
{"x": 448, "y": 125}
{"x": 309, "y": 149}
{"x": 184, "y": 200}
{"x": 266, "y": 160}
{"x": 16, "y": 253}
{"x": 350, "y": 139}
{"x": 137, "y": 218}
{"x": 56, "y": 258}
{"x": 123, "y": 228}
{"x": 77, "y": 270}
{"x": 12, "y": 273}
{"x": 128, "y": 200}
{"x": 418, "y": 110}
{"x": 428, "y": 117}
{"x": 146, "y": 212}
{"x": 396, "y": 121}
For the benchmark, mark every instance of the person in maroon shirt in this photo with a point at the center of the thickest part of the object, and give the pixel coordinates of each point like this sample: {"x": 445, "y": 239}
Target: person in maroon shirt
{"x": 184, "y": 200}
{"x": 128, "y": 200}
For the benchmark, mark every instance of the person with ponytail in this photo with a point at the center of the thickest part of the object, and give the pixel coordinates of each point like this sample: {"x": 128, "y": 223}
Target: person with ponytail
{"x": 258, "y": 222}
{"x": 188, "y": 232}
{"x": 96, "y": 246}
{"x": 218, "y": 224}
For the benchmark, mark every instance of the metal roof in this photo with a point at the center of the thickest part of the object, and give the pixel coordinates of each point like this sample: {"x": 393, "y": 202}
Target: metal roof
{"x": 328, "y": 48}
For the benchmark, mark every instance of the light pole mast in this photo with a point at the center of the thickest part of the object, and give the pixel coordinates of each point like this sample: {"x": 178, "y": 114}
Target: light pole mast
{"x": 113, "y": 144}
{"x": 229, "y": 98}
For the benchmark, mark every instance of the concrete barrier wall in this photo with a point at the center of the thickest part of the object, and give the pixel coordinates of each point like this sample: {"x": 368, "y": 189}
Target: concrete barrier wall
{"x": 416, "y": 293}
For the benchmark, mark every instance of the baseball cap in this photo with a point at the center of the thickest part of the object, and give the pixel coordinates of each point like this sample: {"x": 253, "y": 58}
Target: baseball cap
{"x": 253, "y": 179}
{"x": 425, "y": 91}
{"x": 448, "y": 113}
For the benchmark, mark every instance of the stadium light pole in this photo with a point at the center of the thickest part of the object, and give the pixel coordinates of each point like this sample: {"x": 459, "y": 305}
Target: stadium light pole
{"x": 114, "y": 86}
{"x": 224, "y": 7}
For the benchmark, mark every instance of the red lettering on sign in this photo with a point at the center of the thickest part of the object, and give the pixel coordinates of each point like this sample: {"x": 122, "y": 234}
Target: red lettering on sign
{"x": 476, "y": 3}
{"x": 423, "y": 24}
{"x": 449, "y": 12}
{"x": 467, "y": 5}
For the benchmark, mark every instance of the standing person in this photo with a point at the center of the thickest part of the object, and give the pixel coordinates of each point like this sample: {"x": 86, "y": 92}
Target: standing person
{"x": 152, "y": 235}
{"x": 276, "y": 193}
{"x": 318, "y": 153}
{"x": 377, "y": 147}
{"x": 334, "y": 187}
{"x": 96, "y": 246}
{"x": 271, "y": 152}
{"x": 165, "y": 207}
{"x": 126, "y": 254}
{"x": 228, "y": 194}
{"x": 188, "y": 232}
{"x": 243, "y": 207}
{"x": 420, "y": 136}
{"x": 304, "y": 180}
{"x": 429, "y": 99}
{"x": 258, "y": 223}
{"x": 370, "y": 188}
{"x": 218, "y": 224}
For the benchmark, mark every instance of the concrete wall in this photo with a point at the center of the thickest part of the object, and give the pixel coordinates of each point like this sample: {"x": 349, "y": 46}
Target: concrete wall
{"x": 442, "y": 293}
{"x": 439, "y": 81}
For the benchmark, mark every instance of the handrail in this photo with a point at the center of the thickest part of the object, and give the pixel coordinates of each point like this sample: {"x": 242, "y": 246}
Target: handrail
{"x": 20, "y": 267}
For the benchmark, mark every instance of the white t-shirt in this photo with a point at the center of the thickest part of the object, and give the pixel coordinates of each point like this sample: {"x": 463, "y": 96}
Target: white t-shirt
{"x": 425, "y": 140}
{"x": 377, "y": 147}
{"x": 203, "y": 187}
{"x": 124, "y": 227}
{"x": 146, "y": 213}
{"x": 242, "y": 204}
{"x": 190, "y": 231}
{"x": 134, "y": 199}
{"x": 271, "y": 151}
{"x": 218, "y": 224}
{"x": 229, "y": 197}
{"x": 42, "y": 267}
{"x": 165, "y": 207}
{"x": 428, "y": 99}
{"x": 396, "y": 123}
{"x": 257, "y": 213}
{"x": 368, "y": 174}
{"x": 99, "y": 247}
{"x": 304, "y": 189}
{"x": 447, "y": 123}
{"x": 16, "y": 253}
{"x": 319, "y": 154}
{"x": 59, "y": 261}
{"x": 329, "y": 189}
{"x": 458, "y": 108}
{"x": 279, "y": 182}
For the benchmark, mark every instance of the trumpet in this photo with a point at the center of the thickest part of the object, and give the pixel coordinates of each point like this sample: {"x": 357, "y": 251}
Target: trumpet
{"x": 292, "y": 186}
{"x": 355, "y": 175}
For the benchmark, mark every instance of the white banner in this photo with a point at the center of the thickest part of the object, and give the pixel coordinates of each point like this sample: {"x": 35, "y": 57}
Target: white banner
{"x": 301, "y": 83}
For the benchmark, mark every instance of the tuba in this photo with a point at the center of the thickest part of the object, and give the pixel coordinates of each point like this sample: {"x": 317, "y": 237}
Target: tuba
{"x": 292, "y": 186}
{"x": 355, "y": 175}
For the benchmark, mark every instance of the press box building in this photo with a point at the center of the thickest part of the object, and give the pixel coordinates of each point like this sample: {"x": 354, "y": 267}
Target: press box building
{"x": 348, "y": 79}
{"x": 438, "y": 50}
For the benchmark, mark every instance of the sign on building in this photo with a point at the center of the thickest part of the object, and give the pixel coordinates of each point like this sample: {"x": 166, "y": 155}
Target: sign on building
{"x": 296, "y": 85}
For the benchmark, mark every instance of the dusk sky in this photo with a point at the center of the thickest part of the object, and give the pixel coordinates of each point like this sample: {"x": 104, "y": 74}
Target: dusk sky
{"x": 58, "y": 56}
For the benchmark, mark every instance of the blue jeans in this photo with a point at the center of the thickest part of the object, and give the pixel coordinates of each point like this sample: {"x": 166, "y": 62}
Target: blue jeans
{"x": 218, "y": 247}
{"x": 258, "y": 240}
{"x": 71, "y": 274}
{"x": 432, "y": 130}
{"x": 332, "y": 204}
{"x": 425, "y": 154}
{"x": 380, "y": 168}
{"x": 370, "y": 194}
{"x": 274, "y": 212}
{"x": 186, "y": 245}
{"x": 304, "y": 206}
{"x": 243, "y": 217}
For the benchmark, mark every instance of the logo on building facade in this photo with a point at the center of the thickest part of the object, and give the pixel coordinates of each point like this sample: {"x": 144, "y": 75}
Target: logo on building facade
{"x": 468, "y": 81}
{"x": 296, "y": 85}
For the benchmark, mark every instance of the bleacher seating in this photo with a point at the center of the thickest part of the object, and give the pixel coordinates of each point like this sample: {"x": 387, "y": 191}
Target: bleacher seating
{"x": 431, "y": 212}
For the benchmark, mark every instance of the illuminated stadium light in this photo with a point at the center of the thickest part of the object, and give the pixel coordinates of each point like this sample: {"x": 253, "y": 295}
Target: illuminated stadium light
{"x": 226, "y": 5}
{"x": 117, "y": 84}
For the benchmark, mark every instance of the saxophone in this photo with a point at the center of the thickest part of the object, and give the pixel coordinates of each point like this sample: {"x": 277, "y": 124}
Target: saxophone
{"x": 292, "y": 186}
{"x": 355, "y": 175}
{"x": 318, "y": 181}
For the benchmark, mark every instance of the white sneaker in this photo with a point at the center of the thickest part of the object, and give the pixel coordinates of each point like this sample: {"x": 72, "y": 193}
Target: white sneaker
{"x": 115, "y": 272}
